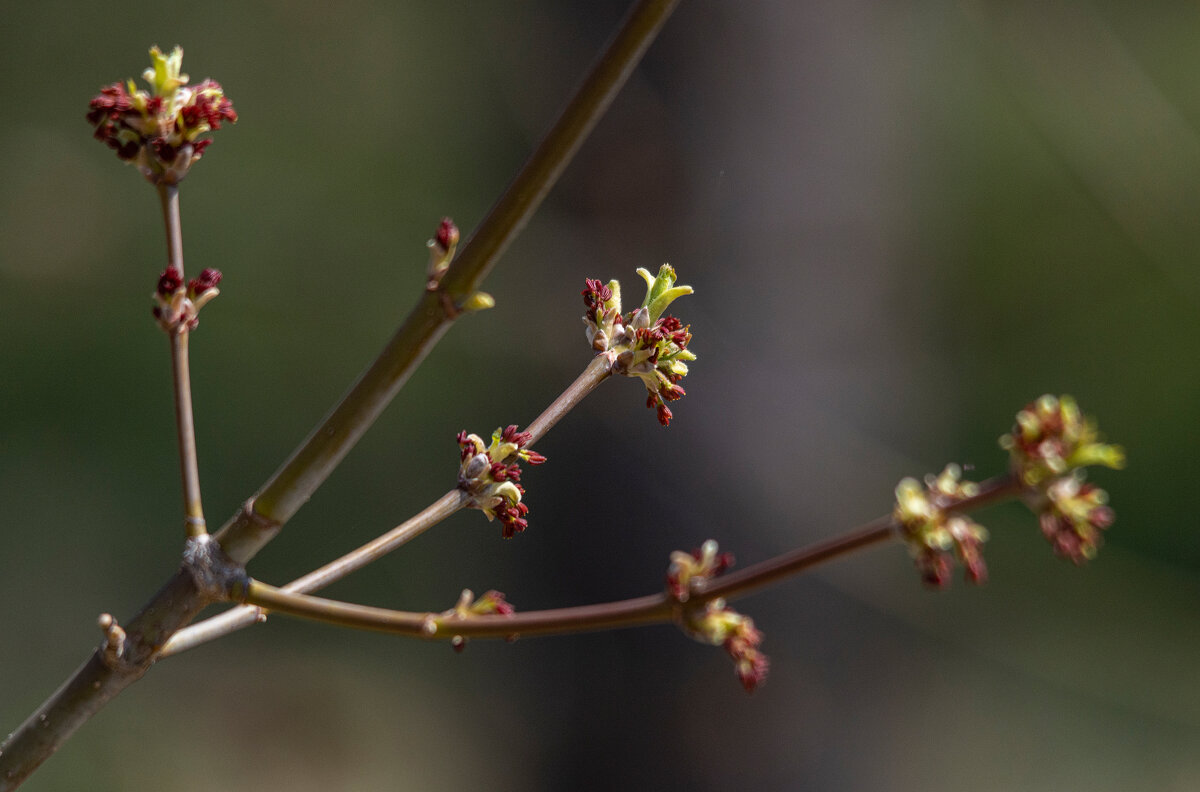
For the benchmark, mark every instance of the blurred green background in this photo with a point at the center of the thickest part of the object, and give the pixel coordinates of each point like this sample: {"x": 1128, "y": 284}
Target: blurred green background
{"x": 903, "y": 221}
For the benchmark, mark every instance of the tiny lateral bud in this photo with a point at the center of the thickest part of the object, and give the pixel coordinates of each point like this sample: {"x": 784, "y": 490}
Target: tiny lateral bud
{"x": 479, "y": 301}
{"x": 208, "y": 278}
{"x": 169, "y": 281}
{"x": 447, "y": 234}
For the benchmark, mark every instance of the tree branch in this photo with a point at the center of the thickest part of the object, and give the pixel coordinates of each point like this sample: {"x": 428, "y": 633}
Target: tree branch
{"x": 250, "y": 530}
{"x": 650, "y": 609}
{"x": 245, "y": 615}
{"x": 181, "y": 599}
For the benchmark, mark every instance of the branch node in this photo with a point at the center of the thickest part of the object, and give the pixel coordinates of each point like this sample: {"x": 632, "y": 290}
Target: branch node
{"x": 217, "y": 576}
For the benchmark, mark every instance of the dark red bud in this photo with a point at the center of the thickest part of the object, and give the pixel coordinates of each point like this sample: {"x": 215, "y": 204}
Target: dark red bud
{"x": 502, "y": 606}
{"x": 164, "y": 150}
{"x": 447, "y": 234}
{"x": 207, "y": 279}
{"x": 169, "y": 282}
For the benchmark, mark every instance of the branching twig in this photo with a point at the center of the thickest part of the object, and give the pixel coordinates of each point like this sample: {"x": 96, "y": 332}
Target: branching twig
{"x": 245, "y": 615}
{"x": 651, "y": 609}
{"x": 178, "y": 602}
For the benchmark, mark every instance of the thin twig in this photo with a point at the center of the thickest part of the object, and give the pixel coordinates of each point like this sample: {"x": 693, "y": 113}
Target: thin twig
{"x": 185, "y": 429}
{"x": 749, "y": 579}
{"x": 653, "y": 609}
{"x": 596, "y": 372}
{"x": 245, "y": 615}
{"x": 189, "y": 467}
{"x": 650, "y": 609}
{"x": 169, "y": 197}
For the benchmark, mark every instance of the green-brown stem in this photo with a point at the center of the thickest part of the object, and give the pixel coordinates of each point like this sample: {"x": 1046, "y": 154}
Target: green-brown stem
{"x": 596, "y": 372}
{"x": 185, "y": 428}
{"x": 243, "y": 616}
{"x": 169, "y": 197}
{"x": 751, "y": 578}
{"x": 650, "y": 609}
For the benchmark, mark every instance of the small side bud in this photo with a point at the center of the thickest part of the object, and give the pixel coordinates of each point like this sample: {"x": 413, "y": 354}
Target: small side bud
{"x": 479, "y": 301}
{"x": 490, "y": 604}
{"x": 717, "y": 624}
{"x": 688, "y": 572}
{"x": 114, "y": 639}
{"x": 169, "y": 282}
{"x": 441, "y": 251}
{"x": 177, "y": 309}
{"x": 1072, "y": 517}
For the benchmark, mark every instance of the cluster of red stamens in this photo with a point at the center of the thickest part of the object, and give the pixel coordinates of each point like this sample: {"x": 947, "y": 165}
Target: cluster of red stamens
{"x": 491, "y": 475}
{"x": 645, "y": 343}
{"x": 159, "y": 130}
{"x": 177, "y": 308}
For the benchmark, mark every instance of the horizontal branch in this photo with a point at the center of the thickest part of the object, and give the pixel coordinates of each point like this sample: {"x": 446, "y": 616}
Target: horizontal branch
{"x": 653, "y": 609}
{"x": 650, "y": 609}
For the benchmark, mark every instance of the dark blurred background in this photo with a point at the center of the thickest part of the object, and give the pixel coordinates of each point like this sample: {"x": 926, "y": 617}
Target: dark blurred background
{"x": 903, "y": 221}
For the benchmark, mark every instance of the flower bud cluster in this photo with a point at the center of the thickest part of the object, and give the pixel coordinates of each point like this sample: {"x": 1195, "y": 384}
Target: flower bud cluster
{"x": 177, "y": 307}
{"x": 159, "y": 130}
{"x": 936, "y": 536}
{"x": 714, "y": 622}
{"x": 1049, "y": 446}
{"x": 1073, "y": 515}
{"x": 491, "y": 475}
{"x": 1052, "y": 438}
{"x": 717, "y": 624}
{"x": 491, "y": 603}
{"x": 643, "y": 343}
{"x": 688, "y": 571}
